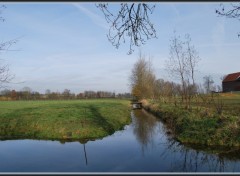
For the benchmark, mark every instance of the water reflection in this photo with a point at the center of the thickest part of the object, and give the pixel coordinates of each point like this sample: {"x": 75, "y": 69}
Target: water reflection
{"x": 143, "y": 146}
{"x": 85, "y": 153}
{"x": 190, "y": 160}
{"x": 181, "y": 158}
{"x": 143, "y": 127}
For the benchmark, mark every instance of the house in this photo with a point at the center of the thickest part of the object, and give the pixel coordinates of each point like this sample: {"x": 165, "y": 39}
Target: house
{"x": 231, "y": 82}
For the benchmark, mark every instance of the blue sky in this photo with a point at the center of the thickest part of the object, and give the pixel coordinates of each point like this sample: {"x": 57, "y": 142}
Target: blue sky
{"x": 64, "y": 45}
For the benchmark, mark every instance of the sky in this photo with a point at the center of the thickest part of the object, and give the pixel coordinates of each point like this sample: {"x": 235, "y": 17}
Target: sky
{"x": 64, "y": 45}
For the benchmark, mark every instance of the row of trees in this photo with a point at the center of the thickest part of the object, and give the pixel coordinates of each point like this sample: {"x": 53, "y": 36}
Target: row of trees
{"x": 132, "y": 21}
{"x": 181, "y": 66}
{"x": 27, "y": 94}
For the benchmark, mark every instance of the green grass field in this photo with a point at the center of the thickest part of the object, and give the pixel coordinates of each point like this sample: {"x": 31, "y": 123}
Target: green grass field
{"x": 202, "y": 124}
{"x": 66, "y": 119}
{"x": 230, "y": 103}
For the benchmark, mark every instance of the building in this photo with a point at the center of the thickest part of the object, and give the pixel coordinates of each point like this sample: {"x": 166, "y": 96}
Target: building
{"x": 231, "y": 82}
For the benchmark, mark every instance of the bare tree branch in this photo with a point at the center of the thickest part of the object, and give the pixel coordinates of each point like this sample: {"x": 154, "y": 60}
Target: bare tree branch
{"x": 2, "y": 7}
{"x": 5, "y": 75}
{"x": 233, "y": 12}
{"x": 131, "y": 21}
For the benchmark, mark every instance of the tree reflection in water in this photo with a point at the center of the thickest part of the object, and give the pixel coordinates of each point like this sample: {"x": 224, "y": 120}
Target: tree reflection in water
{"x": 187, "y": 159}
{"x": 182, "y": 158}
{"x": 143, "y": 127}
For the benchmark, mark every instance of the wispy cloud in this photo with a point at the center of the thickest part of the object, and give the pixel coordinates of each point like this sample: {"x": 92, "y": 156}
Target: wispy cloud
{"x": 93, "y": 16}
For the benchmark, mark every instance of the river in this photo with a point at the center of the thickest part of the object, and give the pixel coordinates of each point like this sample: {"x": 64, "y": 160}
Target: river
{"x": 143, "y": 146}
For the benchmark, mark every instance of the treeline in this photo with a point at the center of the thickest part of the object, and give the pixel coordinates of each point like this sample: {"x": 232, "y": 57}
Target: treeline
{"x": 27, "y": 94}
{"x": 181, "y": 66}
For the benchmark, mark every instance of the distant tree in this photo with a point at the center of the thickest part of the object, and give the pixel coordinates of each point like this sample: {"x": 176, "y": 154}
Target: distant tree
{"x": 54, "y": 95}
{"x": 13, "y": 95}
{"x": 35, "y": 95}
{"x": 165, "y": 90}
{"x": 80, "y": 95}
{"x": 5, "y": 92}
{"x": 208, "y": 83}
{"x": 131, "y": 21}
{"x": 90, "y": 94}
{"x": 27, "y": 89}
{"x": 124, "y": 95}
{"x": 47, "y": 93}
{"x": 26, "y": 92}
{"x": 66, "y": 94}
{"x": 232, "y": 12}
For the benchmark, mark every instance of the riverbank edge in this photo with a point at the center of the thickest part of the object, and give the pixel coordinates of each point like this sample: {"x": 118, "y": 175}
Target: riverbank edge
{"x": 88, "y": 135}
{"x": 172, "y": 118}
{"x": 64, "y": 139}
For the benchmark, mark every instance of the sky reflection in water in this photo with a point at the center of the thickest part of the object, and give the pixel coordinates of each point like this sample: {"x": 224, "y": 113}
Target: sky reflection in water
{"x": 142, "y": 146}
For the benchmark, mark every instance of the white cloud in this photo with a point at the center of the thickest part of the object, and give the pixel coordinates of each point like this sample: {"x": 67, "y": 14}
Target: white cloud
{"x": 93, "y": 16}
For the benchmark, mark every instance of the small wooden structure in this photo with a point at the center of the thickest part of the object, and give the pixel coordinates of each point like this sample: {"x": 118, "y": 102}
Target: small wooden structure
{"x": 136, "y": 105}
{"x": 231, "y": 82}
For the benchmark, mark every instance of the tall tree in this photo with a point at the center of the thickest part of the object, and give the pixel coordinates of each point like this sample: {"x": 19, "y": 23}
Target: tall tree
{"x": 192, "y": 58}
{"x": 131, "y": 21}
{"x": 142, "y": 79}
{"x": 182, "y": 65}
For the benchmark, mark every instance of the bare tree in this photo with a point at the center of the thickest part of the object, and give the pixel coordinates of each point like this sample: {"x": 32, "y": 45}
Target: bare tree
{"x": 192, "y": 58}
{"x": 208, "y": 83}
{"x": 5, "y": 75}
{"x": 66, "y": 94}
{"x": 27, "y": 92}
{"x": 177, "y": 64}
{"x": 2, "y": 7}
{"x": 232, "y": 12}
{"x": 182, "y": 65}
{"x": 131, "y": 21}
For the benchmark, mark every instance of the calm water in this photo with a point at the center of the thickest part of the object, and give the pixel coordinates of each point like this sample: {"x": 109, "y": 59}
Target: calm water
{"x": 142, "y": 146}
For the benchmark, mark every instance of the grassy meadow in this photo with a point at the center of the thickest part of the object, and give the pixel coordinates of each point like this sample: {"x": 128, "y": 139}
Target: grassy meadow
{"x": 64, "y": 119}
{"x": 202, "y": 124}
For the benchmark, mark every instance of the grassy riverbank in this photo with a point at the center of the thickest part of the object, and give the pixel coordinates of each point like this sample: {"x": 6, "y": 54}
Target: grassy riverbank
{"x": 202, "y": 124}
{"x": 66, "y": 119}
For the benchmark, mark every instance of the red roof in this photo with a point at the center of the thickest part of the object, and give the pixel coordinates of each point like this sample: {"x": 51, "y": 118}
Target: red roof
{"x": 232, "y": 77}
